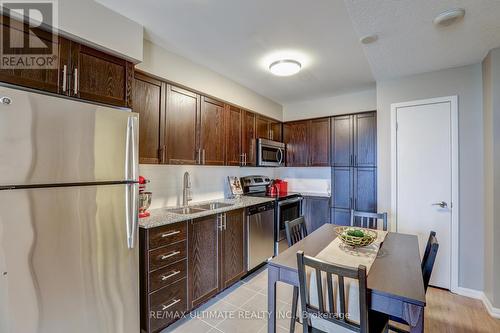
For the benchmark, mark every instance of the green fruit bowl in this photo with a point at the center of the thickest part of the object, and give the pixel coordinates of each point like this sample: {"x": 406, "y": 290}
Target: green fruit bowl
{"x": 356, "y": 237}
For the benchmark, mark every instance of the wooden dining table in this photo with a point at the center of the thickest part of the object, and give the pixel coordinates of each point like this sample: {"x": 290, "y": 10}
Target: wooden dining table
{"x": 395, "y": 283}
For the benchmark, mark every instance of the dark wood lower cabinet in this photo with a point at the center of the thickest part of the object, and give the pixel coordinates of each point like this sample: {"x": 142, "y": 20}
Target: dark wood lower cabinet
{"x": 203, "y": 259}
{"x": 233, "y": 249}
{"x": 316, "y": 212}
{"x": 183, "y": 265}
{"x": 163, "y": 275}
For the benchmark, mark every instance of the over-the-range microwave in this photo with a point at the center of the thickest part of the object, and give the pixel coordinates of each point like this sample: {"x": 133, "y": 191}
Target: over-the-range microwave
{"x": 270, "y": 153}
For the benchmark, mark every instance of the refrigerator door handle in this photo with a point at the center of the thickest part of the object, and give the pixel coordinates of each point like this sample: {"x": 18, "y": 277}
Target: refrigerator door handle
{"x": 131, "y": 153}
{"x": 131, "y": 216}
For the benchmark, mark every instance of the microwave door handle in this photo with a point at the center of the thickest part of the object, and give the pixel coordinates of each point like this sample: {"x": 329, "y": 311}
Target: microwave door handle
{"x": 279, "y": 155}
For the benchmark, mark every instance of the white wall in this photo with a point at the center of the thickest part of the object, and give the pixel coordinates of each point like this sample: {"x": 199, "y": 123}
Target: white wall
{"x": 491, "y": 101}
{"x": 89, "y": 21}
{"x": 207, "y": 182}
{"x": 466, "y": 82}
{"x": 307, "y": 180}
{"x": 358, "y": 101}
{"x": 170, "y": 66}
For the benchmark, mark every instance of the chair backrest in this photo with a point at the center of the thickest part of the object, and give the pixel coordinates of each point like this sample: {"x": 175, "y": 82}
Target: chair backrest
{"x": 429, "y": 258}
{"x": 368, "y": 220}
{"x": 295, "y": 230}
{"x": 334, "y": 314}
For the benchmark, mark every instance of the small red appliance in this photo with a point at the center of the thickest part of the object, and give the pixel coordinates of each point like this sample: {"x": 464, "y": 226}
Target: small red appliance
{"x": 144, "y": 197}
{"x": 282, "y": 186}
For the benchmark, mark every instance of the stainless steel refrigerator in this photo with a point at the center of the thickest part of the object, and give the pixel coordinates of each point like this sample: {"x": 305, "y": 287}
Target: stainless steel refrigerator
{"x": 68, "y": 215}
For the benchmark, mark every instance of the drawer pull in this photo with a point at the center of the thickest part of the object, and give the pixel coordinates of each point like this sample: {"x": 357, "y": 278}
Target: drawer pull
{"x": 170, "y": 234}
{"x": 170, "y": 255}
{"x": 166, "y": 277}
{"x": 164, "y": 307}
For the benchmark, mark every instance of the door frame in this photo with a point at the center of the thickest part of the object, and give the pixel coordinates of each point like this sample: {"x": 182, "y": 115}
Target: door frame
{"x": 455, "y": 208}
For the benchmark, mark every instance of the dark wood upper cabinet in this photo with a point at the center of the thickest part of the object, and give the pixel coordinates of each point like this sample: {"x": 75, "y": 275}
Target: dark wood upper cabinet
{"x": 42, "y": 79}
{"x": 263, "y": 127}
{"x": 319, "y": 142}
{"x": 365, "y": 139}
{"x": 233, "y": 135}
{"x": 342, "y": 141}
{"x": 180, "y": 129}
{"x": 149, "y": 102}
{"x": 203, "y": 280}
{"x": 211, "y": 129}
{"x": 100, "y": 77}
{"x": 276, "y": 131}
{"x": 296, "y": 137}
{"x": 233, "y": 256}
{"x": 308, "y": 142}
{"x": 268, "y": 128}
{"x": 79, "y": 71}
{"x": 249, "y": 149}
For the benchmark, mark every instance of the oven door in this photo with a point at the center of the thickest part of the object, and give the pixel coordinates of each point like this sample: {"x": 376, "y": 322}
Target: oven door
{"x": 287, "y": 210}
{"x": 270, "y": 153}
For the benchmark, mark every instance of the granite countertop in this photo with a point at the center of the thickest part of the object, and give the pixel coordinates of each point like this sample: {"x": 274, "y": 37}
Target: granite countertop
{"x": 162, "y": 216}
{"x": 315, "y": 194}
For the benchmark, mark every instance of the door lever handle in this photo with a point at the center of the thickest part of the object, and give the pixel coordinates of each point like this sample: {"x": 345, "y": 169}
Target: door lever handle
{"x": 441, "y": 204}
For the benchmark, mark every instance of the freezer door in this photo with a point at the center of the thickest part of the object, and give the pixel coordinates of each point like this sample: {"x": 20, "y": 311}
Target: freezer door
{"x": 46, "y": 139}
{"x": 65, "y": 261}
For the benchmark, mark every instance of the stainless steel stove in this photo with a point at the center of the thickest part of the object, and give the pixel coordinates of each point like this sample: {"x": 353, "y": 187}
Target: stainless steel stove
{"x": 288, "y": 206}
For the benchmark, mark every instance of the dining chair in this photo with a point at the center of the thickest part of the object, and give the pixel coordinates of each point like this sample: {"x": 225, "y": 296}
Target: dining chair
{"x": 368, "y": 220}
{"x": 334, "y": 317}
{"x": 295, "y": 231}
{"x": 428, "y": 261}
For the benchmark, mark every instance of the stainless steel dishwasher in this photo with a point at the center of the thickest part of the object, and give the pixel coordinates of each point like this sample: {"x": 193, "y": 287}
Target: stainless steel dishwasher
{"x": 260, "y": 231}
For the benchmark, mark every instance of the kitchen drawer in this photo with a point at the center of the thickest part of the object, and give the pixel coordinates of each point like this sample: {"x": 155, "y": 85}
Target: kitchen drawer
{"x": 167, "y": 234}
{"x": 167, "y": 275}
{"x": 166, "y": 255}
{"x": 167, "y": 305}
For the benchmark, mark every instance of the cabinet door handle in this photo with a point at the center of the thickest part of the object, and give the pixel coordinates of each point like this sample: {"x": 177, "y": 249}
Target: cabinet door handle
{"x": 175, "y": 301}
{"x": 75, "y": 87}
{"x": 351, "y": 160}
{"x": 166, "y": 256}
{"x": 203, "y": 154}
{"x": 170, "y": 234}
{"x": 225, "y": 221}
{"x": 64, "y": 78}
{"x": 166, "y": 277}
{"x": 246, "y": 159}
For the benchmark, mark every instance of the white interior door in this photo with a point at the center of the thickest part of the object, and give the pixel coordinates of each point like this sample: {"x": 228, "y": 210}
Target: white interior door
{"x": 424, "y": 179}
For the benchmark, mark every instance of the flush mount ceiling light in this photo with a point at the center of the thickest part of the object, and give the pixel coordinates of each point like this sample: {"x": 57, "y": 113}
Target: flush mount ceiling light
{"x": 449, "y": 17}
{"x": 285, "y": 67}
{"x": 369, "y": 39}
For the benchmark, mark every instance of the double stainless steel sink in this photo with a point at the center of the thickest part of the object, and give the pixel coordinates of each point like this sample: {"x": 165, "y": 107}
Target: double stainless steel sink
{"x": 199, "y": 208}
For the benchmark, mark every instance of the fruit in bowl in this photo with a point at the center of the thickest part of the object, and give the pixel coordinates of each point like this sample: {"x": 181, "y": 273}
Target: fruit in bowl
{"x": 356, "y": 237}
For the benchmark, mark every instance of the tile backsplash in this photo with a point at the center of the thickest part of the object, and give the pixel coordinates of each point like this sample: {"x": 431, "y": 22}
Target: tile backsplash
{"x": 210, "y": 182}
{"x": 207, "y": 182}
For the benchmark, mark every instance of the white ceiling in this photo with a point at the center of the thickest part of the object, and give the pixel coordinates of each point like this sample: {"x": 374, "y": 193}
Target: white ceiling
{"x": 408, "y": 41}
{"x": 239, "y": 39}
{"x": 234, "y": 38}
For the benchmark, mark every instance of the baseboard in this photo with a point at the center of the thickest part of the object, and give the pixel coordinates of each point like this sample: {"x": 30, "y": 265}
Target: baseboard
{"x": 494, "y": 312}
{"x": 477, "y": 294}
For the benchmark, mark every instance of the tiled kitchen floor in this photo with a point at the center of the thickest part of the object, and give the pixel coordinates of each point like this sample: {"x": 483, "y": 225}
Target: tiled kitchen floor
{"x": 239, "y": 309}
